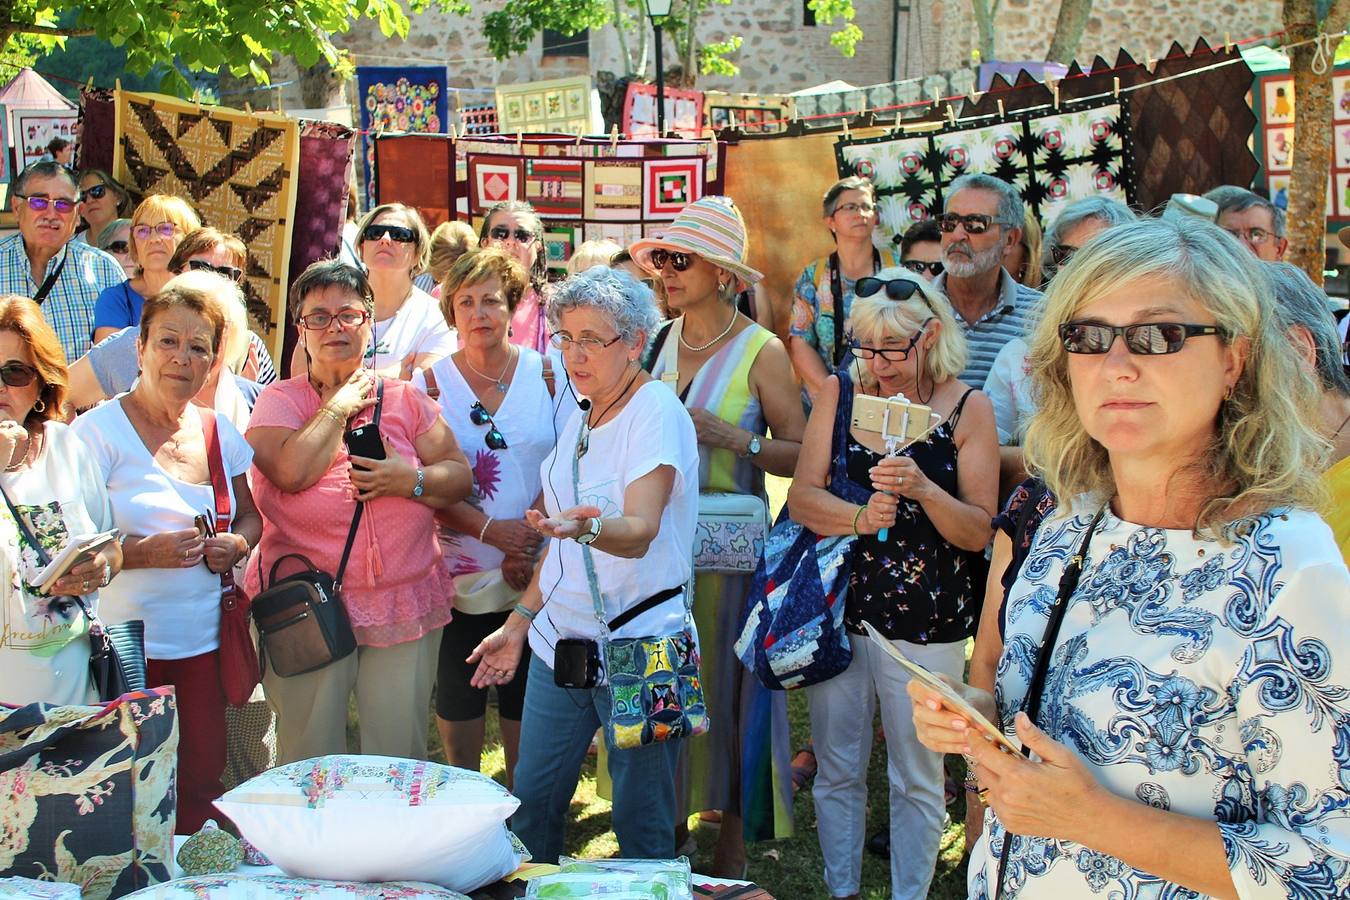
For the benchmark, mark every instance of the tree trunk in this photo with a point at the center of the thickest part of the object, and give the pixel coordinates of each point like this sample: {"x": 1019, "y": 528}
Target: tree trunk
{"x": 624, "y": 53}
{"x": 984, "y": 24}
{"x": 1312, "y": 136}
{"x": 1073, "y": 18}
{"x": 320, "y": 86}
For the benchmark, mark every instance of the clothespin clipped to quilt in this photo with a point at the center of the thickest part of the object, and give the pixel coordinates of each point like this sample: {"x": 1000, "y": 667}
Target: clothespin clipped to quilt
{"x": 580, "y": 133}
{"x": 1054, "y": 89}
{"x": 846, "y": 125}
{"x": 89, "y": 85}
{"x": 712, "y": 145}
{"x": 902, "y": 423}
{"x": 1227, "y": 42}
{"x": 951, "y": 114}
{"x": 1001, "y": 113}
{"x": 248, "y": 107}
{"x": 454, "y": 132}
{"x": 614, "y": 136}
{"x": 520, "y": 141}
{"x": 1115, "y": 87}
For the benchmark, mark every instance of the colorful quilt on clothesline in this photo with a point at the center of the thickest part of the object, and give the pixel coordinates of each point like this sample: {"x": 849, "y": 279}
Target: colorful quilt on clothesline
{"x": 1052, "y": 158}
{"x": 407, "y": 99}
{"x": 237, "y": 169}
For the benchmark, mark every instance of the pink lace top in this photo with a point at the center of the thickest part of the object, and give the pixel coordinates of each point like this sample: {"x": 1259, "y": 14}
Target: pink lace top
{"x": 529, "y": 327}
{"x": 395, "y": 588}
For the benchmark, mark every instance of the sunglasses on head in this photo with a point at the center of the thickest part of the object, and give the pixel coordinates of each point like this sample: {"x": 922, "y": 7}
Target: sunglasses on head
{"x": 97, "y": 191}
{"x": 679, "y": 260}
{"x": 974, "y": 223}
{"x": 1151, "y": 339}
{"x": 39, "y": 204}
{"x": 897, "y": 289}
{"x": 118, "y": 247}
{"x": 479, "y": 415}
{"x": 163, "y": 229}
{"x": 919, "y": 267}
{"x": 520, "y": 235}
{"x": 201, "y": 265}
{"x": 399, "y": 234}
{"x": 16, "y": 374}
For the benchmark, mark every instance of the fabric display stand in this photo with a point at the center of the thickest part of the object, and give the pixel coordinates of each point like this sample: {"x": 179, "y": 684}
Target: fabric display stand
{"x": 684, "y": 111}
{"x": 559, "y": 105}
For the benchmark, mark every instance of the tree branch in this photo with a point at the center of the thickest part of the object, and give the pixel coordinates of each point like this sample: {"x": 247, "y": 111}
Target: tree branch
{"x": 30, "y": 28}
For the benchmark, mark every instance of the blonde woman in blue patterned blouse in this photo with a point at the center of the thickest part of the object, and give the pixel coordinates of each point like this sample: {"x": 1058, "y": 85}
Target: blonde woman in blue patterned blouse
{"x": 1193, "y": 732}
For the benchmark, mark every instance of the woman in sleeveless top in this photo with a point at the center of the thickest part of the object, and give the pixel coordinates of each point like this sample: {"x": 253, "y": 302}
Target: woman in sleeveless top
{"x": 918, "y": 586}
{"x": 515, "y": 227}
{"x": 736, "y": 381}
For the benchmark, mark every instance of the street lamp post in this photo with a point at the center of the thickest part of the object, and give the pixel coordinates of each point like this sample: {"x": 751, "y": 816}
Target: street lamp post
{"x": 657, "y": 10}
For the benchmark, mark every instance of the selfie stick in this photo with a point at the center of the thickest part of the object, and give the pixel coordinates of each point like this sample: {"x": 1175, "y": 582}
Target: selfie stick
{"x": 893, "y": 445}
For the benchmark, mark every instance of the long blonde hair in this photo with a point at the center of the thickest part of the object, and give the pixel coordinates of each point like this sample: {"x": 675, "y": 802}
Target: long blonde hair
{"x": 1266, "y": 452}
{"x": 875, "y": 318}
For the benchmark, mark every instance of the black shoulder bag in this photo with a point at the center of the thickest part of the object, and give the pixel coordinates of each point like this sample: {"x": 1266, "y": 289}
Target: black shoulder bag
{"x": 1068, "y": 583}
{"x": 116, "y": 652}
{"x": 301, "y": 621}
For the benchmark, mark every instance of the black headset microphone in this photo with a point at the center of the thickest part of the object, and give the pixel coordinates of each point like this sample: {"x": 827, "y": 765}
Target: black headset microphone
{"x": 583, "y": 402}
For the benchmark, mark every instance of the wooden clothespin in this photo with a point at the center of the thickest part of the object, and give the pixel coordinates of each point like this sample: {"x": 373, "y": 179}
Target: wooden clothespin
{"x": 1115, "y": 86}
{"x": 454, "y": 132}
{"x": 1054, "y": 90}
{"x": 580, "y": 132}
{"x": 846, "y": 125}
{"x": 951, "y": 114}
{"x": 520, "y": 141}
{"x": 117, "y": 84}
{"x": 1001, "y": 113}
{"x": 1227, "y": 42}
{"x": 614, "y": 136}
{"x": 712, "y": 145}
{"x": 89, "y": 85}
{"x": 248, "y": 107}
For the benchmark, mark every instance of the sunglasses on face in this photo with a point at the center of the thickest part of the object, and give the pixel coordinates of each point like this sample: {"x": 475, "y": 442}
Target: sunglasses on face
{"x": 890, "y": 354}
{"x": 97, "y": 191}
{"x": 16, "y": 374}
{"x": 1153, "y": 339}
{"x": 348, "y": 318}
{"x": 974, "y": 223}
{"x": 1060, "y": 256}
{"x": 479, "y": 415}
{"x": 520, "y": 235}
{"x": 118, "y": 247}
{"x": 201, "y": 265}
{"x": 678, "y": 260}
{"x": 40, "y": 204}
{"x": 163, "y": 229}
{"x": 919, "y": 267}
{"x": 399, "y": 234}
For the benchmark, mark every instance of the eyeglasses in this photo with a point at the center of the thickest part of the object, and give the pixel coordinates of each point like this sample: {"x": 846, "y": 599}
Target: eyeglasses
{"x": 16, "y": 374}
{"x": 974, "y": 223}
{"x": 562, "y": 340}
{"x": 897, "y": 289}
{"x": 97, "y": 191}
{"x": 1254, "y": 236}
{"x": 890, "y": 354}
{"x": 679, "y": 261}
{"x": 163, "y": 229}
{"x": 1152, "y": 339}
{"x": 520, "y": 235}
{"x": 865, "y": 209}
{"x": 1060, "y": 256}
{"x": 399, "y": 234}
{"x": 230, "y": 272}
{"x": 479, "y": 415}
{"x": 118, "y": 247}
{"x": 919, "y": 267}
{"x": 39, "y": 204}
{"x": 348, "y": 318}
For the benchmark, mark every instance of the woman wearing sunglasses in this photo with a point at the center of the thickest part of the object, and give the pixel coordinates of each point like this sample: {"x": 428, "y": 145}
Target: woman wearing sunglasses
{"x": 51, "y": 478}
{"x": 115, "y": 239}
{"x": 736, "y": 381}
{"x": 514, "y": 226}
{"x": 103, "y": 199}
{"x": 1188, "y": 726}
{"x": 497, "y": 398}
{"x": 396, "y": 591}
{"x": 824, "y": 292}
{"x": 157, "y": 226}
{"x": 919, "y": 586}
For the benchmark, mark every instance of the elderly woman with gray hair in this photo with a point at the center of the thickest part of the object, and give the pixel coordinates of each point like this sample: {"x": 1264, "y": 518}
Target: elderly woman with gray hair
{"x": 621, "y": 496}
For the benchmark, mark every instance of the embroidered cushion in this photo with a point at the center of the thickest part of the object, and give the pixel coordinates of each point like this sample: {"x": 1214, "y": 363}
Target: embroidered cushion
{"x": 256, "y": 887}
{"x": 88, "y": 792}
{"x": 378, "y": 818}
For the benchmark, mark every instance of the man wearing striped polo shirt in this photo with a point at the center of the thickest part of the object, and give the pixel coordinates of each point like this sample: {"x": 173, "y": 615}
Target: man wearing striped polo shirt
{"x": 983, "y": 217}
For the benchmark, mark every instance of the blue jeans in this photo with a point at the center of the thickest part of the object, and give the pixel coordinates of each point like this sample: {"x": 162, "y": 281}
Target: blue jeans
{"x": 555, "y": 732}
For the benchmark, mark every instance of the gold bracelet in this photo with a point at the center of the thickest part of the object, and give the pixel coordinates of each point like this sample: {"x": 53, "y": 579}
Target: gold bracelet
{"x": 332, "y": 415}
{"x": 856, "y": 516}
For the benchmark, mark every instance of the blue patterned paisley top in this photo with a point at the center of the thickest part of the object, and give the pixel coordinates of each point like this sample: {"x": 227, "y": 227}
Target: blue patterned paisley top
{"x": 1197, "y": 678}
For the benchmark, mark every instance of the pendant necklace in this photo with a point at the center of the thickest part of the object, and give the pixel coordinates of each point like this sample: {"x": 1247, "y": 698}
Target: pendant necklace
{"x": 584, "y": 436}
{"x": 735, "y": 314}
{"x": 500, "y": 385}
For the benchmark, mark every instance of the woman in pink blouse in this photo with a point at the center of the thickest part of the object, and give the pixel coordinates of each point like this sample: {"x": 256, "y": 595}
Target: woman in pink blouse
{"x": 396, "y": 592}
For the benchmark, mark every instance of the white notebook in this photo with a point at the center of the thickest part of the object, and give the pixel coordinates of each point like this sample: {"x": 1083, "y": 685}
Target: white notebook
{"x": 79, "y": 549}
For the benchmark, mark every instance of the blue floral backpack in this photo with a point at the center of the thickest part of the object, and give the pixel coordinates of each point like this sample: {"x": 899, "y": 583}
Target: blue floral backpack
{"x": 792, "y": 629}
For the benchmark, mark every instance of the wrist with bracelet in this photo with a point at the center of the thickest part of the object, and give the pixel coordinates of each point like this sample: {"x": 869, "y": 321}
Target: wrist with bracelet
{"x": 856, "y": 516}
{"x": 482, "y": 532}
{"x": 327, "y": 410}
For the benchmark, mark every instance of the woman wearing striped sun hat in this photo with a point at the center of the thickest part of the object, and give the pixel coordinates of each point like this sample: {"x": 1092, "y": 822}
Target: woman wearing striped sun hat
{"x": 736, "y": 380}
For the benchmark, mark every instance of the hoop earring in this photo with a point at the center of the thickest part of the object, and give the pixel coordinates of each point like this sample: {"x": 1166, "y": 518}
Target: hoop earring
{"x": 40, "y": 406}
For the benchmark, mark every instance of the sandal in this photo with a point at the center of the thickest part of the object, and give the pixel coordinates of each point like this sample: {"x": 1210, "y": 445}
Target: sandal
{"x": 803, "y": 768}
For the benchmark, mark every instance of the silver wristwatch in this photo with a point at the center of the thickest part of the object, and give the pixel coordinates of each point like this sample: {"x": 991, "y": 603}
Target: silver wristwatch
{"x": 421, "y": 483}
{"x": 592, "y": 531}
{"x": 752, "y": 450}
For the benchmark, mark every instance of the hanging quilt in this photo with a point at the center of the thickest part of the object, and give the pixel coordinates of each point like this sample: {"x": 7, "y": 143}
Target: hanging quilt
{"x": 237, "y": 169}
{"x": 478, "y": 118}
{"x": 559, "y": 105}
{"x": 750, "y": 113}
{"x": 1052, "y": 159}
{"x": 34, "y": 129}
{"x": 1273, "y": 97}
{"x": 684, "y": 111}
{"x": 407, "y": 99}
{"x": 98, "y": 123}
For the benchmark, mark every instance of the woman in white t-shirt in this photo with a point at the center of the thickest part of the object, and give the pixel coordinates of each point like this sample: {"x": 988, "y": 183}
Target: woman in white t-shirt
{"x": 497, "y": 398}
{"x": 623, "y": 479}
{"x": 410, "y": 332}
{"x": 151, "y": 448}
{"x": 51, "y": 480}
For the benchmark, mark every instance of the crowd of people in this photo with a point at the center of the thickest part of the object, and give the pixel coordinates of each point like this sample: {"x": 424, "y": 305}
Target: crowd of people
{"x": 1139, "y": 438}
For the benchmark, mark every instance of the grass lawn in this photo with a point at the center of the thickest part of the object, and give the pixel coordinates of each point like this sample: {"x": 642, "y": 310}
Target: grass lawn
{"x": 789, "y": 869}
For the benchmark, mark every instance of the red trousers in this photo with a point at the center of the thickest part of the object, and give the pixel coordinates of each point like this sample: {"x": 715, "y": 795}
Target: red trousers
{"x": 201, "y": 733}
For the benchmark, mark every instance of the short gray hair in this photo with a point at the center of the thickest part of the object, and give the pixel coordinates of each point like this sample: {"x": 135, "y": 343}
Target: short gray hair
{"x": 1231, "y": 198}
{"x": 1108, "y": 211}
{"x": 852, "y": 183}
{"x": 45, "y": 169}
{"x": 1300, "y": 302}
{"x": 1011, "y": 210}
{"x": 628, "y": 303}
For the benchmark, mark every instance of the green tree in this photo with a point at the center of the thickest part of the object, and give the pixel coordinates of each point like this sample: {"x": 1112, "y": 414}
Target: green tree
{"x": 239, "y": 36}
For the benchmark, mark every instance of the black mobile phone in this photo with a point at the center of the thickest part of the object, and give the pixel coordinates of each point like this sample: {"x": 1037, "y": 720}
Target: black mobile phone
{"x": 576, "y": 663}
{"x": 365, "y": 441}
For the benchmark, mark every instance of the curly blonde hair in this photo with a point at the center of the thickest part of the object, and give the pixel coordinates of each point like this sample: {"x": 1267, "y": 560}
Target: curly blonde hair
{"x": 875, "y": 318}
{"x": 1266, "y": 452}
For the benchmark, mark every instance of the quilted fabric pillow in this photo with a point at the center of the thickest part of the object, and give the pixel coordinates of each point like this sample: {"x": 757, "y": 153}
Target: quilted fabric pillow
{"x": 378, "y": 818}
{"x": 256, "y": 887}
{"x": 88, "y": 792}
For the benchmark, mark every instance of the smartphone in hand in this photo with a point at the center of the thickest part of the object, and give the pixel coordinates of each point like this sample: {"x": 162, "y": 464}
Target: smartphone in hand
{"x": 365, "y": 441}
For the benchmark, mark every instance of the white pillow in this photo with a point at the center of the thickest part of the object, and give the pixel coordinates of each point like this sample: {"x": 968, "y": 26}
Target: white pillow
{"x": 378, "y": 818}
{"x": 257, "y": 887}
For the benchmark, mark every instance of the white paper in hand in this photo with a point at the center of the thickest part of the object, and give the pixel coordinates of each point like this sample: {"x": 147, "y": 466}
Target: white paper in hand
{"x": 950, "y": 698}
{"x": 79, "y": 549}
